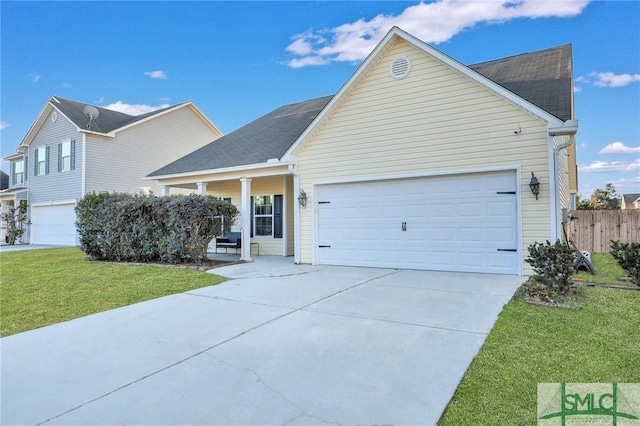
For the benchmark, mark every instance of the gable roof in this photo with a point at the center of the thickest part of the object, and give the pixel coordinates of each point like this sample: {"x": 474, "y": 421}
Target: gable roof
{"x": 107, "y": 120}
{"x": 265, "y": 138}
{"x": 107, "y": 123}
{"x": 396, "y": 33}
{"x": 543, "y": 78}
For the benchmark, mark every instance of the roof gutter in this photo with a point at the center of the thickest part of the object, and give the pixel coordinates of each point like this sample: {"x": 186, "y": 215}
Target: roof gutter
{"x": 568, "y": 128}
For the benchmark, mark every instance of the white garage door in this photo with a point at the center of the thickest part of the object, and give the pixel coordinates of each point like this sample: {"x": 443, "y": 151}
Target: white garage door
{"x": 448, "y": 223}
{"x": 53, "y": 224}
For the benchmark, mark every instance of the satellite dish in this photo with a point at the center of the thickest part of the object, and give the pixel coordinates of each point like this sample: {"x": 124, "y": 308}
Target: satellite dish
{"x": 92, "y": 113}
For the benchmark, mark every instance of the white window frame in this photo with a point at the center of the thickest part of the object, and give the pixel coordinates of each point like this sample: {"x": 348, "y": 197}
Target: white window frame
{"x": 65, "y": 167}
{"x": 41, "y": 167}
{"x": 15, "y": 173}
{"x": 263, "y": 215}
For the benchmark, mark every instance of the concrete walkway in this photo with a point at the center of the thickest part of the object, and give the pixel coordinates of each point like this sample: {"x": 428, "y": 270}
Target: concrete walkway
{"x": 279, "y": 344}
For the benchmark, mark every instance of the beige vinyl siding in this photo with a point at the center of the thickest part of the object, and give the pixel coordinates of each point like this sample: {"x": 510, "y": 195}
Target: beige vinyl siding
{"x": 55, "y": 186}
{"x": 260, "y": 186}
{"x": 120, "y": 164}
{"x": 434, "y": 120}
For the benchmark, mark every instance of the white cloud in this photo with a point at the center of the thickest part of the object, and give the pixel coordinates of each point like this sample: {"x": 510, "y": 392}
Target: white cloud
{"x": 619, "y": 148}
{"x": 434, "y": 22}
{"x": 35, "y": 77}
{"x": 610, "y": 166}
{"x": 99, "y": 101}
{"x": 156, "y": 74}
{"x": 4, "y": 125}
{"x": 66, "y": 85}
{"x": 609, "y": 79}
{"x": 134, "y": 109}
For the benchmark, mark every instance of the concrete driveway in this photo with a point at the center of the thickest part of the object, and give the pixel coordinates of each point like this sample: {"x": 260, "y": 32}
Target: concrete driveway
{"x": 279, "y": 344}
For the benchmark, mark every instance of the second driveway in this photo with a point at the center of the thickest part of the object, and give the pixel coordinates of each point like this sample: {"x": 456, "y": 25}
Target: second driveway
{"x": 279, "y": 344}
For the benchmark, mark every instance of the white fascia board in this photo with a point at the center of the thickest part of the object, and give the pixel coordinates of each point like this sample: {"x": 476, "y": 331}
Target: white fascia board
{"x": 31, "y": 133}
{"x": 16, "y": 156}
{"x": 396, "y": 32}
{"x": 249, "y": 167}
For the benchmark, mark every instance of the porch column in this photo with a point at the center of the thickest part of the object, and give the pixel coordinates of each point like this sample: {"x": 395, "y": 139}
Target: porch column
{"x": 202, "y": 188}
{"x": 164, "y": 190}
{"x": 245, "y": 206}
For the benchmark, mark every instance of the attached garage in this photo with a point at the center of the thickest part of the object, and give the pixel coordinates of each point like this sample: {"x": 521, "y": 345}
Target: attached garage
{"x": 53, "y": 224}
{"x": 464, "y": 223}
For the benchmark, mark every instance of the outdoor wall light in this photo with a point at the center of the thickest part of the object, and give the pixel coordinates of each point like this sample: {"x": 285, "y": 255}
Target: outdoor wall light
{"x": 302, "y": 199}
{"x": 534, "y": 184}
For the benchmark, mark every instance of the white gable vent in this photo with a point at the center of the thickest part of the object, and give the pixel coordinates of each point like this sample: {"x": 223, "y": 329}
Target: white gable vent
{"x": 400, "y": 67}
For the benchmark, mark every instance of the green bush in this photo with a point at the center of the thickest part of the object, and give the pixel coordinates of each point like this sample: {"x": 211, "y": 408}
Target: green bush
{"x": 131, "y": 228}
{"x": 628, "y": 257}
{"x": 553, "y": 265}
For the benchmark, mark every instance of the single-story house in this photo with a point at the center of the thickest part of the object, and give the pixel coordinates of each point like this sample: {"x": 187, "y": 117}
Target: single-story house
{"x": 418, "y": 161}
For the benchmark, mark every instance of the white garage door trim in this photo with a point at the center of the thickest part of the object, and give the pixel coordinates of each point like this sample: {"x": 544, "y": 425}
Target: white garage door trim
{"x": 53, "y": 223}
{"x": 513, "y": 177}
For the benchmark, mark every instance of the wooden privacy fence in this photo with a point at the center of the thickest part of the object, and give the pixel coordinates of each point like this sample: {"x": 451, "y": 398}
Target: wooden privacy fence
{"x": 593, "y": 230}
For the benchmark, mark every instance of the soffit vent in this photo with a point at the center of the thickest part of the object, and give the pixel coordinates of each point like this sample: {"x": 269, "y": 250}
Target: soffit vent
{"x": 400, "y": 67}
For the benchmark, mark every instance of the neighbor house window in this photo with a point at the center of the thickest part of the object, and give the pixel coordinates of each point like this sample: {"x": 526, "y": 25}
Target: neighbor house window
{"x": 18, "y": 172}
{"x": 41, "y": 161}
{"x": 263, "y": 215}
{"x": 66, "y": 156}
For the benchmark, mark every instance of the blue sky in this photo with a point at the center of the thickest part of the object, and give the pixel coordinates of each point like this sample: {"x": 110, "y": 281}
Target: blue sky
{"x": 239, "y": 60}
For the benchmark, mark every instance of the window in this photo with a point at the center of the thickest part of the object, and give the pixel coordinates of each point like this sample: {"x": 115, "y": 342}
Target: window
{"x": 263, "y": 215}
{"x": 18, "y": 172}
{"x": 66, "y": 156}
{"x": 41, "y": 161}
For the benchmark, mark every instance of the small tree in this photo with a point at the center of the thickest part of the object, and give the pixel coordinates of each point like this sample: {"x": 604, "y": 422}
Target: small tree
{"x": 15, "y": 221}
{"x": 601, "y": 199}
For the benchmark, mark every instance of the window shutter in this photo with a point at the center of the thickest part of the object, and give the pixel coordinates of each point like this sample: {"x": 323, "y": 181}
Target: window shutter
{"x": 252, "y": 210}
{"x": 72, "y": 161}
{"x": 25, "y": 168}
{"x": 59, "y": 157}
{"x": 277, "y": 216}
{"x": 35, "y": 163}
{"x": 46, "y": 160}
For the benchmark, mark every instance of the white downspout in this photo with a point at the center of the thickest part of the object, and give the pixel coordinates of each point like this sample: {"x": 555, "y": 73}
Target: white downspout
{"x": 296, "y": 215}
{"x": 569, "y": 128}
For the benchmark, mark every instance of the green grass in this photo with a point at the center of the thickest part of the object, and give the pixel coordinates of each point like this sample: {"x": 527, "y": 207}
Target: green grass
{"x": 607, "y": 271}
{"x": 42, "y": 287}
{"x": 533, "y": 344}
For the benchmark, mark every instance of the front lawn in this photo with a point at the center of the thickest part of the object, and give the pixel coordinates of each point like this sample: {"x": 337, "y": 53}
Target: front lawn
{"x": 607, "y": 271}
{"x": 533, "y": 344}
{"x": 42, "y": 287}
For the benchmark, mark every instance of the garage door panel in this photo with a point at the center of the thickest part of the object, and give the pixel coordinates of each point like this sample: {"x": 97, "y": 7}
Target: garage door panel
{"x": 452, "y": 223}
{"x": 53, "y": 225}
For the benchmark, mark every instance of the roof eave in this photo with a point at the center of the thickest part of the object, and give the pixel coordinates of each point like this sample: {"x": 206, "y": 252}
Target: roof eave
{"x": 247, "y": 167}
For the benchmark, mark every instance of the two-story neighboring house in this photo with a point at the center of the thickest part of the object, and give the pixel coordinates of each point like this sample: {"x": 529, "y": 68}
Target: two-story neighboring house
{"x": 73, "y": 149}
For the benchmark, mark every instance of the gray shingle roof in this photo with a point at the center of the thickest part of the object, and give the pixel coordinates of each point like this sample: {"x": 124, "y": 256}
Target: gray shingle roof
{"x": 630, "y": 198}
{"x": 543, "y": 78}
{"x": 106, "y": 121}
{"x": 264, "y": 138}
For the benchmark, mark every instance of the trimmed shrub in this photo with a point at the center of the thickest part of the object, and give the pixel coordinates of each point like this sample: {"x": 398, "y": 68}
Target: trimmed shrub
{"x": 132, "y": 228}
{"x": 553, "y": 265}
{"x": 628, "y": 257}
